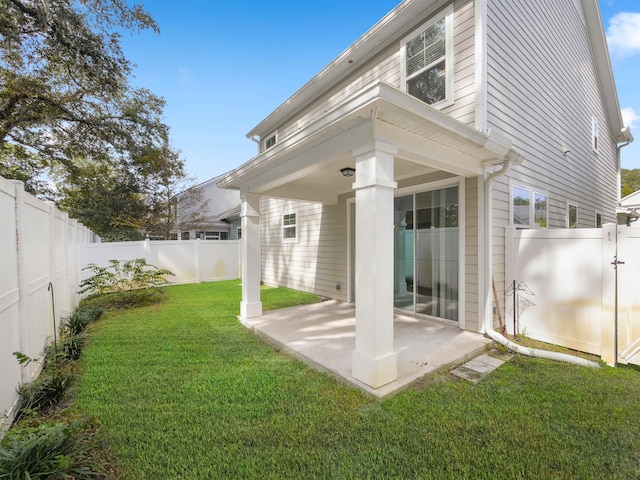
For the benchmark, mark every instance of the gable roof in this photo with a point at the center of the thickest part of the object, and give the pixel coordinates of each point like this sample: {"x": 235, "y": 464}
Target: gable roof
{"x": 406, "y": 16}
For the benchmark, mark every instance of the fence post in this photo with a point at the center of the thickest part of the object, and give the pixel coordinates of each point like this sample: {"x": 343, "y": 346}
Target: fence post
{"x": 23, "y": 329}
{"x": 510, "y": 259}
{"x": 608, "y": 314}
{"x": 197, "y": 260}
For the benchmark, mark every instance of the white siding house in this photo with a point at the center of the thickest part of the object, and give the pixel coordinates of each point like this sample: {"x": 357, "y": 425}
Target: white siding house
{"x": 460, "y": 118}
{"x": 221, "y": 211}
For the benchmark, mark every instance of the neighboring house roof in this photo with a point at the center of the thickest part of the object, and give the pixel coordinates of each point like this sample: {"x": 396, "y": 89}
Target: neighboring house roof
{"x": 403, "y": 18}
{"x": 220, "y": 200}
{"x": 230, "y": 215}
{"x": 631, "y": 200}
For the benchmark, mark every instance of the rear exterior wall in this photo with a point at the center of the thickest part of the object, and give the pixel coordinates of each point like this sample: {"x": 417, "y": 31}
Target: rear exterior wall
{"x": 543, "y": 93}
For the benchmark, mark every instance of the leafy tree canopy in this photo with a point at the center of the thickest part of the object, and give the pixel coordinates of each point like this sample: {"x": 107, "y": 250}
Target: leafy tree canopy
{"x": 64, "y": 88}
{"x": 630, "y": 181}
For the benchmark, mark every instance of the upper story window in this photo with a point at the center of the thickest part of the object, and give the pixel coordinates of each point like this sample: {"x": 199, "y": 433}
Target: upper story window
{"x": 269, "y": 141}
{"x": 594, "y": 134}
{"x": 529, "y": 209}
{"x": 598, "y": 220}
{"x": 290, "y": 227}
{"x": 427, "y": 60}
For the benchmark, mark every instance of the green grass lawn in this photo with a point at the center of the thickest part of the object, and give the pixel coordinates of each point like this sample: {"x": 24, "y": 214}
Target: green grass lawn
{"x": 183, "y": 390}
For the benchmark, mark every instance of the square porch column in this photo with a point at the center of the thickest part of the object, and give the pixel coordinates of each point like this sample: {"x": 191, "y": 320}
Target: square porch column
{"x": 250, "y": 251}
{"x": 374, "y": 361}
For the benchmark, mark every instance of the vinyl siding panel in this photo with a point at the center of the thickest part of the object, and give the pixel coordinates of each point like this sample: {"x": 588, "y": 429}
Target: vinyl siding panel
{"x": 318, "y": 260}
{"x": 471, "y": 278}
{"x": 543, "y": 91}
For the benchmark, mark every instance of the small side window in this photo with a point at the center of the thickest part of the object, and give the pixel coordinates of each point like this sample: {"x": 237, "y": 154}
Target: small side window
{"x": 598, "y": 220}
{"x": 269, "y": 141}
{"x": 572, "y": 216}
{"x": 290, "y": 227}
{"x": 594, "y": 134}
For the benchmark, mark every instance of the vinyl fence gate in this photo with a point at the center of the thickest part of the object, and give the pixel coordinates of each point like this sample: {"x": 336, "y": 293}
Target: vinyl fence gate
{"x": 582, "y": 288}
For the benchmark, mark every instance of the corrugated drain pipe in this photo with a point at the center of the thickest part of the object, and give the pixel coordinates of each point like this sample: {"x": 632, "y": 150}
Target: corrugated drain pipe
{"x": 488, "y": 260}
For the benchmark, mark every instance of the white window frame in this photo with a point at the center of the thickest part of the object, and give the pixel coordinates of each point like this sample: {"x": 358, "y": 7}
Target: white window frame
{"x": 598, "y": 214}
{"x": 569, "y": 205}
{"x": 532, "y": 205}
{"x": 273, "y": 135}
{"x": 295, "y": 225}
{"x": 447, "y": 14}
{"x": 595, "y": 135}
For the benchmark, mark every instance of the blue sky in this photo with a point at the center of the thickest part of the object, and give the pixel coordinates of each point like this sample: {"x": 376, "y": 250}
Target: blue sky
{"x": 224, "y": 66}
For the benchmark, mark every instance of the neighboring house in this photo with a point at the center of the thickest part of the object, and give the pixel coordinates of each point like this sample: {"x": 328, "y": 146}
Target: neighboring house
{"x": 460, "y": 118}
{"x": 221, "y": 223}
{"x": 628, "y": 209}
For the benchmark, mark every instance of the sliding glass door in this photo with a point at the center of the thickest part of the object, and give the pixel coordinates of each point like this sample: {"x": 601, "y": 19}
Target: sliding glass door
{"x": 426, "y": 253}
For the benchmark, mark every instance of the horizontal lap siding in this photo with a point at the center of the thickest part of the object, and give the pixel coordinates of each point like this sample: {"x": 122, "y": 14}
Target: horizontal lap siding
{"x": 318, "y": 260}
{"x": 471, "y": 255}
{"x": 463, "y": 108}
{"x": 542, "y": 92}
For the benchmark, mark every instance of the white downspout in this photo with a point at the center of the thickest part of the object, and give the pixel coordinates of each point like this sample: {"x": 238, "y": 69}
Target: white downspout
{"x": 488, "y": 271}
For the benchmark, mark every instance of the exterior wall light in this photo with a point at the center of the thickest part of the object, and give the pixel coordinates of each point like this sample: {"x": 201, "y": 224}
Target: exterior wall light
{"x": 348, "y": 171}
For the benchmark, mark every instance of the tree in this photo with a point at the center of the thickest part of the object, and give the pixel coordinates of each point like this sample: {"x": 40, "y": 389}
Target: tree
{"x": 174, "y": 205}
{"x": 19, "y": 164}
{"x": 108, "y": 200}
{"x": 129, "y": 204}
{"x": 64, "y": 89}
{"x": 630, "y": 181}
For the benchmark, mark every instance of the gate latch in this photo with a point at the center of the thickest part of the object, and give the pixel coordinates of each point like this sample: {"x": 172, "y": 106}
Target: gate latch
{"x": 616, "y": 262}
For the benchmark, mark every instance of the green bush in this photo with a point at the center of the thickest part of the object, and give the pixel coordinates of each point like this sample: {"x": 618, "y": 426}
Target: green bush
{"x": 128, "y": 282}
{"x": 78, "y": 321}
{"x": 50, "y": 451}
{"x": 68, "y": 350}
{"x": 44, "y": 393}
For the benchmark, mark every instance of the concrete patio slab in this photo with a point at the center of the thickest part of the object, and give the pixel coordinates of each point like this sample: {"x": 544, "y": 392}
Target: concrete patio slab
{"x": 323, "y": 336}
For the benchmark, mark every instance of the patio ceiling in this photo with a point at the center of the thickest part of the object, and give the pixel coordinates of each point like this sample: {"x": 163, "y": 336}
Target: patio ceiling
{"x": 306, "y": 165}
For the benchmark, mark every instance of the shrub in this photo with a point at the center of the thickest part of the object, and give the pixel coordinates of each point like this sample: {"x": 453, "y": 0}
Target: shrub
{"x": 50, "y": 451}
{"x": 131, "y": 281}
{"x": 68, "y": 350}
{"x": 77, "y": 322}
{"x": 44, "y": 393}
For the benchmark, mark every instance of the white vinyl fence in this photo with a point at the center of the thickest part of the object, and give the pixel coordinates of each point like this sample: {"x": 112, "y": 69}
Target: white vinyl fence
{"x": 192, "y": 261}
{"x": 40, "y": 261}
{"x": 569, "y": 283}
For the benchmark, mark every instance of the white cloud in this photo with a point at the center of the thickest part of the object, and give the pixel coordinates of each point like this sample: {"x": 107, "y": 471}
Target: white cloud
{"x": 629, "y": 116}
{"x": 623, "y": 34}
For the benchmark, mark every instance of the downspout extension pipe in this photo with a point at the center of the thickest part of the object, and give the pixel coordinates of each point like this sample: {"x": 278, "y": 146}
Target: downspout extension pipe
{"x": 488, "y": 259}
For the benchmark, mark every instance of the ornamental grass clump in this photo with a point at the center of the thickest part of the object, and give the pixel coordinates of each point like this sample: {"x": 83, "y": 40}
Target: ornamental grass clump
{"x": 51, "y": 450}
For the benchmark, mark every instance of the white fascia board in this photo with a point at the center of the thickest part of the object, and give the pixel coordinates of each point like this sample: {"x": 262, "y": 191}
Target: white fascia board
{"x": 600, "y": 54}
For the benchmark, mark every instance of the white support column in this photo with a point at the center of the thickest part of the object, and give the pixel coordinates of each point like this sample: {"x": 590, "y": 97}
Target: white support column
{"x": 250, "y": 251}
{"x": 374, "y": 360}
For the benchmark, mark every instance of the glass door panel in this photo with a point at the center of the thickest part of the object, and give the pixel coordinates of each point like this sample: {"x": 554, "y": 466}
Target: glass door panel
{"x": 436, "y": 253}
{"x": 403, "y": 253}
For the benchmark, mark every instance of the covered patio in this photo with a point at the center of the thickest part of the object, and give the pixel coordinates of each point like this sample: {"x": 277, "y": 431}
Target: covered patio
{"x": 385, "y": 136}
{"x": 323, "y": 336}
